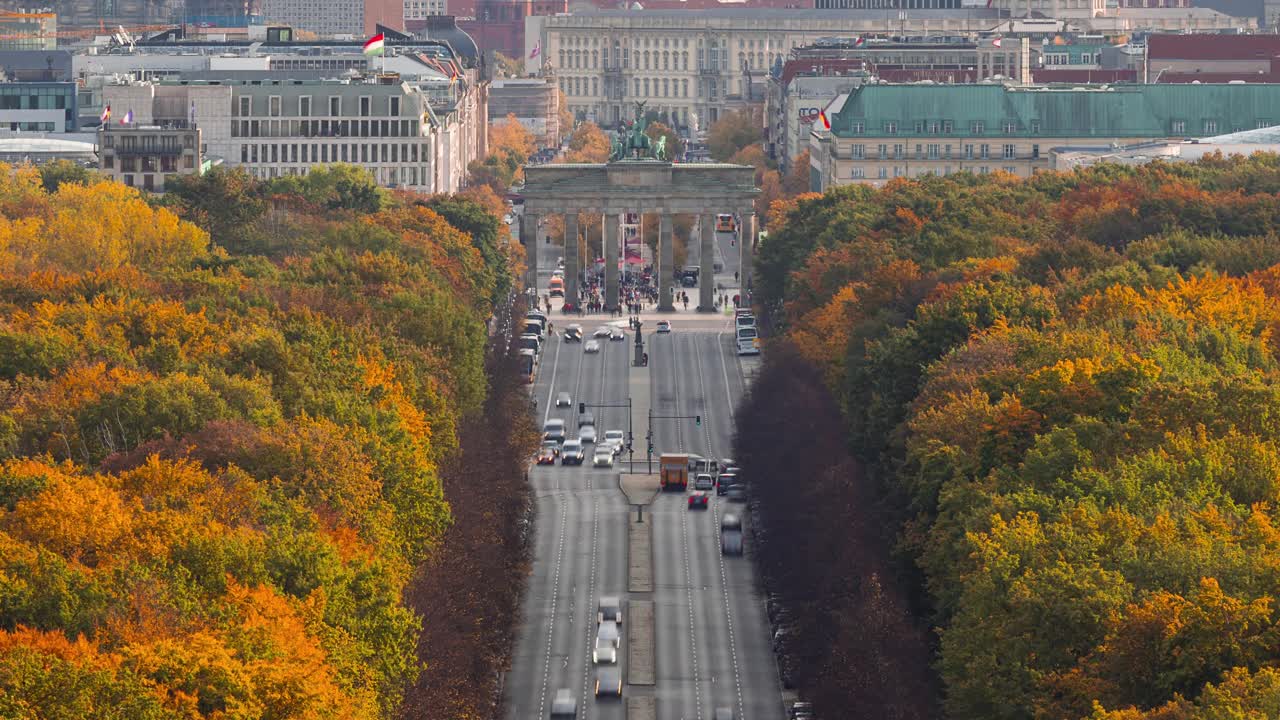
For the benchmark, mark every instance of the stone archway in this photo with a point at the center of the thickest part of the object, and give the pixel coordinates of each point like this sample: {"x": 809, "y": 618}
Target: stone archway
{"x": 641, "y": 186}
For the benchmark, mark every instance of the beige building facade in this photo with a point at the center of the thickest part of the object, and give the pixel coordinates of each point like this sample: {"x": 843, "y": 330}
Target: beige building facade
{"x": 147, "y": 156}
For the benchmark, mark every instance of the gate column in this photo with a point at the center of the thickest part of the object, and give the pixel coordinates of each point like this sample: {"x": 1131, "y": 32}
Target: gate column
{"x": 666, "y": 264}
{"x": 529, "y": 238}
{"x": 707, "y": 268}
{"x": 611, "y": 220}
{"x": 571, "y": 264}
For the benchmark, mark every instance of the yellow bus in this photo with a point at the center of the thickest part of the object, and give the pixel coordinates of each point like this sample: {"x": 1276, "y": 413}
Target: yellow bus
{"x": 725, "y": 223}
{"x": 556, "y": 287}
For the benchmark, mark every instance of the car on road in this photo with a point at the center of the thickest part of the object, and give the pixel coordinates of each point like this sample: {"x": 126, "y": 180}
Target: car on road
{"x": 664, "y": 326}
{"x": 602, "y": 332}
{"x": 573, "y": 333}
{"x": 563, "y": 400}
{"x": 724, "y": 482}
{"x": 617, "y": 334}
{"x": 603, "y": 457}
{"x": 746, "y": 320}
{"x": 608, "y": 682}
{"x": 554, "y": 430}
{"x": 698, "y": 500}
{"x": 591, "y": 348}
{"x": 617, "y": 438}
{"x": 547, "y": 453}
{"x": 571, "y": 453}
{"x": 730, "y": 534}
{"x": 800, "y": 710}
{"x": 610, "y": 609}
{"x": 704, "y": 482}
{"x": 564, "y": 705}
{"x": 587, "y": 434}
{"x": 585, "y": 419}
{"x": 727, "y": 465}
{"x": 529, "y": 341}
{"x": 608, "y": 631}
{"x": 604, "y": 653}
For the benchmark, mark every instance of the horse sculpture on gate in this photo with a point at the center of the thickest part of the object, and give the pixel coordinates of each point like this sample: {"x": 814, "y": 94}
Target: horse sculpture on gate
{"x": 631, "y": 143}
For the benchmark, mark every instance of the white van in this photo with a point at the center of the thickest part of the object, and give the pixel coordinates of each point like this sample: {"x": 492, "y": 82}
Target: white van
{"x": 748, "y": 341}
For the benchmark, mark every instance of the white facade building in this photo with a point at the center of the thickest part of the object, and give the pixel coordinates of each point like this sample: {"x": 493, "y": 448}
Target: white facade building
{"x": 286, "y": 127}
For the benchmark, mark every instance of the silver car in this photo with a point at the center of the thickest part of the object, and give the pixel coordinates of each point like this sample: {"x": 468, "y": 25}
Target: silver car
{"x": 591, "y": 347}
{"x": 604, "y": 653}
{"x": 603, "y": 457}
{"x": 587, "y": 434}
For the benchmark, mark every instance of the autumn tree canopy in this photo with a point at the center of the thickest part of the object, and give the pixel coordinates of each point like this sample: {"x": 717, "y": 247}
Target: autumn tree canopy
{"x": 224, "y": 418}
{"x": 1061, "y": 390}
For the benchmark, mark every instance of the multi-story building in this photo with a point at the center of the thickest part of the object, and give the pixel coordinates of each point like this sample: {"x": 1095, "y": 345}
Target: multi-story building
{"x": 702, "y": 65}
{"x": 535, "y": 102}
{"x": 27, "y": 30}
{"x": 276, "y": 127}
{"x": 1208, "y": 57}
{"x": 147, "y": 156}
{"x": 880, "y": 132}
{"x": 500, "y": 25}
{"x": 39, "y": 107}
{"x": 329, "y": 18}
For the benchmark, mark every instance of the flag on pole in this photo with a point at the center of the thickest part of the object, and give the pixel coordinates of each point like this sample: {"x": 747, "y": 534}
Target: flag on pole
{"x": 860, "y": 41}
{"x": 537, "y": 48}
{"x": 128, "y": 117}
{"x": 996, "y": 42}
{"x": 375, "y": 45}
{"x": 823, "y": 121}
{"x": 106, "y": 114}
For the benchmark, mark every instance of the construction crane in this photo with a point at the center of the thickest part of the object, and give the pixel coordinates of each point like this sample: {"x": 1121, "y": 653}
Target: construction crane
{"x": 122, "y": 34}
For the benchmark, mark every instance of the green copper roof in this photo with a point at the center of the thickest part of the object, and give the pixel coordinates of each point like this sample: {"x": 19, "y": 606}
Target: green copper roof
{"x": 1119, "y": 111}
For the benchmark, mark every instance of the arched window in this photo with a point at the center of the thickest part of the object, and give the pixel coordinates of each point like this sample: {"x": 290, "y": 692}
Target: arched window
{"x": 637, "y": 93}
{"x": 664, "y": 88}
{"x": 646, "y": 87}
{"x": 595, "y": 59}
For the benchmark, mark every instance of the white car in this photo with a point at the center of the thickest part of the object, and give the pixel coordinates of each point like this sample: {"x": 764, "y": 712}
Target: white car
{"x": 617, "y": 335}
{"x": 591, "y": 347}
{"x": 587, "y": 435}
{"x": 608, "y": 632}
{"x": 562, "y": 400}
{"x": 616, "y": 438}
{"x": 602, "y": 332}
{"x": 664, "y": 326}
{"x": 603, "y": 457}
{"x": 604, "y": 653}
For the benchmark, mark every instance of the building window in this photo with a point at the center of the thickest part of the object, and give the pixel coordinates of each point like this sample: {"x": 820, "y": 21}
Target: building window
{"x": 859, "y": 152}
{"x": 883, "y": 173}
{"x": 919, "y": 151}
{"x": 946, "y": 151}
{"x": 891, "y": 128}
{"x": 1035, "y": 127}
{"x": 335, "y": 106}
{"x": 273, "y": 106}
{"x": 977, "y": 127}
{"x": 859, "y": 128}
{"x": 984, "y": 151}
{"x": 304, "y": 106}
{"x": 919, "y": 126}
{"x": 857, "y": 173}
{"x": 1010, "y": 152}
{"x": 1011, "y": 169}
{"x": 946, "y": 127}
{"x": 246, "y": 106}
{"x": 933, "y": 151}
{"x": 884, "y": 151}
{"x": 933, "y": 127}
{"x": 897, "y": 152}
{"x": 984, "y": 170}
{"x": 1035, "y": 152}
{"x": 1210, "y": 127}
{"x": 395, "y": 106}
{"x": 1010, "y": 128}
{"x": 968, "y": 152}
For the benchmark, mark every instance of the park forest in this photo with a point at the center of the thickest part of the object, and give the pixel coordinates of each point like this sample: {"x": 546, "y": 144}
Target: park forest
{"x": 233, "y": 424}
{"x": 1018, "y": 442}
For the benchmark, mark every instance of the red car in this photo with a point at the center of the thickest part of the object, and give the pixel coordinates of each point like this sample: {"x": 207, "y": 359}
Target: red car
{"x": 547, "y": 455}
{"x": 698, "y": 500}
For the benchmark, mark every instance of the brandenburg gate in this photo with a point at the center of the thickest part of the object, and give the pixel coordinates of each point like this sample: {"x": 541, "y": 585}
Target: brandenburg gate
{"x": 639, "y": 179}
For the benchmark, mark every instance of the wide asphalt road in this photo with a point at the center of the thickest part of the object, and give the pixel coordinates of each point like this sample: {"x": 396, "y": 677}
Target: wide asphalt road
{"x": 580, "y": 541}
{"x": 713, "y": 641}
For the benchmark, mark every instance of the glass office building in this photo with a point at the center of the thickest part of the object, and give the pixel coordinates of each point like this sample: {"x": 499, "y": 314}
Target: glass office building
{"x": 38, "y": 107}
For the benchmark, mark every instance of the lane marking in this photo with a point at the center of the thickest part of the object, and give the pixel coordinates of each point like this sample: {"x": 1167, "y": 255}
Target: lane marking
{"x": 588, "y": 607}
{"x": 551, "y": 385}
{"x": 684, "y": 526}
{"x": 724, "y": 578}
{"x": 551, "y": 624}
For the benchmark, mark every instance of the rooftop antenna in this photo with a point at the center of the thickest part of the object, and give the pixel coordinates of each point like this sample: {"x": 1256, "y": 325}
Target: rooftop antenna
{"x": 125, "y": 37}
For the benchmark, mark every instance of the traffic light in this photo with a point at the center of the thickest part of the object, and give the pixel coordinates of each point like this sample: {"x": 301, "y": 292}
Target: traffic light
{"x": 697, "y": 420}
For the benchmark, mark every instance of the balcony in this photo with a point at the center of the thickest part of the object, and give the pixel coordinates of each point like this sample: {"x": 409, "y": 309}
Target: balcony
{"x": 708, "y": 71}
{"x": 159, "y": 151}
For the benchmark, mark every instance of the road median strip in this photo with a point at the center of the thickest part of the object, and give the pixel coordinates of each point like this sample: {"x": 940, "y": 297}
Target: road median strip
{"x": 641, "y": 668}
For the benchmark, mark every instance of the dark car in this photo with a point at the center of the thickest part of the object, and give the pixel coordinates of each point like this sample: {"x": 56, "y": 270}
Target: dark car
{"x": 698, "y": 500}
{"x": 573, "y": 333}
{"x": 548, "y": 452}
{"x": 724, "y": 482}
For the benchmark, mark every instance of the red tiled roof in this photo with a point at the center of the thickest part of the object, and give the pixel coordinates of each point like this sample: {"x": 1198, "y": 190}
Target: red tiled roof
{"x": 1212, "y": 47}
{"x": 1085, "y": 77}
